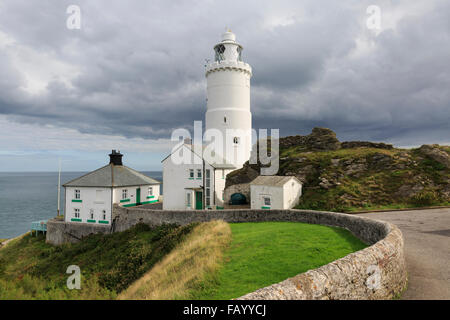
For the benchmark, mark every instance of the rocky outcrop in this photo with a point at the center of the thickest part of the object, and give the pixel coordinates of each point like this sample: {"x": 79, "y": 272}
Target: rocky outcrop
{"x": 365, "y": 144}
{"x": 319, "y": 139}
{"x": 435, "y": 153}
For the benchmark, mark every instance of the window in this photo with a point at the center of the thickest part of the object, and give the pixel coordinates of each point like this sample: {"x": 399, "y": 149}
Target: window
{"x": 236, "y": 140}
{"x": 188, "y": 200}
{"x": 207, "y": 187}
{"x": 77, "y": 194}
{"x": 191, "y": 173}
{"x": 220, "y": 49}
{"x": 199, "y": 173}
{"x": 266, "y": 201}
{"x": 124, "y": 194}
{"x": 76, "y": 213}
{"x": 150, "y": 191}
{"x": 98, "y": 195}
{"x": 104, "y": 214}
{"x": 239, "y": 50}
{"x": 224, "y": 119}
{"x": 91, "y": 214}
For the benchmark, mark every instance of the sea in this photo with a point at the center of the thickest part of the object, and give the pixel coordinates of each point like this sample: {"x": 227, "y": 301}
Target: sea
{"x": 32, "y": 196}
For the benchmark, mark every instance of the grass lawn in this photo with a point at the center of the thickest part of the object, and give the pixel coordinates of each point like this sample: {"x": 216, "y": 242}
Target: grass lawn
{"x": 265, "y": 253}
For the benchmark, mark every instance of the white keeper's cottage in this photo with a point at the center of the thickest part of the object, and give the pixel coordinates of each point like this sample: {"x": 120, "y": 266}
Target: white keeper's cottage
{"x": 200, "y": 184}
{"x": 90, "y": 198}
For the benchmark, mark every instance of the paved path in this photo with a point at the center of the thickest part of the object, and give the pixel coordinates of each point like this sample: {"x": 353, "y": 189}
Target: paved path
{"x": 427, "y": 250}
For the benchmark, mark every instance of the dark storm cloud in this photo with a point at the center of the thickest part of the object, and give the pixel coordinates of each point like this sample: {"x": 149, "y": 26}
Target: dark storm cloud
{"x": 136, "y": 68}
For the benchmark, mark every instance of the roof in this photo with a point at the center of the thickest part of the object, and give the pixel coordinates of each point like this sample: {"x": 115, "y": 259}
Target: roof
{"x": 112, "y": 176}
{"x": 221, "y": 164}
{"x": 275, "y": 181}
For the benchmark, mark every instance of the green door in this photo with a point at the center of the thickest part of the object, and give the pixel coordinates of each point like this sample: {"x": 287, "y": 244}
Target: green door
{"x": 138, "y": 196}
{"x": 198, "y": 200}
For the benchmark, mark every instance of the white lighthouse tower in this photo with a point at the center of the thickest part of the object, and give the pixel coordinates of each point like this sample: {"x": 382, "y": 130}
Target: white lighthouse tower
{"x": 228, "y": 100}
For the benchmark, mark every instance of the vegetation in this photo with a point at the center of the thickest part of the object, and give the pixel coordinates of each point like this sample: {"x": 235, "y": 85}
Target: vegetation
{"x": 213, "y": 260}
{"x": 358, "y": 175}
{"x": 186, "y": 266}
{"x": 265, "y": 253}
{"x": 370, "y": 179}
{"x": 32, "y": 269}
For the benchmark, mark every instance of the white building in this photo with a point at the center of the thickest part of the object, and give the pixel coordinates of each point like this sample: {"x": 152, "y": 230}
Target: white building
{"x": 200, "y": 183}
{"x": 90, "y": 198}
{"x": 275, "y": 192}
{"x": 197, "y": 186}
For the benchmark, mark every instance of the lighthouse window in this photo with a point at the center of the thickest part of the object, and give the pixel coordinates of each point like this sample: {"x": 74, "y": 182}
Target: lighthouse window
{"x": 236, "y": 140}
{"x": 239, "y": 50}
{"x": 91, "y": 213}
{"x": 150, "y": 191}
{"x": 220, "y": 49}
{"x": 104, "y": 214}
{"x": 199, "y": 173}
{"x": 77, "y": 213}
{"x": 191, "y": 173}
{"x": 124, "y": 194}
{"x": 77, "y": 194}
{"x": 224, "y": 119}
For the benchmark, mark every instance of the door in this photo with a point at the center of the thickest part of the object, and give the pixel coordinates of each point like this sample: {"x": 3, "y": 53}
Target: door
{"x": 138, "y": 196}
{"x": 198, "y": 200}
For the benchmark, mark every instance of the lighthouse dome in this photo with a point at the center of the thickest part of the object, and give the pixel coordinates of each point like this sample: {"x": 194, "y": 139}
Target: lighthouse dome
{"x": 229, "y": 36}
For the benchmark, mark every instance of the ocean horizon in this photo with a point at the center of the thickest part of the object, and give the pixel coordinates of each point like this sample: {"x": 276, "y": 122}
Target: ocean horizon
{"x": 32, "y": 196}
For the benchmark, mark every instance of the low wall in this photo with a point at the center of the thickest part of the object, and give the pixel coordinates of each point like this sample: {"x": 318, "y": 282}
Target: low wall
{"x": 59, "y": 232}
{"x": 376, "y": 272}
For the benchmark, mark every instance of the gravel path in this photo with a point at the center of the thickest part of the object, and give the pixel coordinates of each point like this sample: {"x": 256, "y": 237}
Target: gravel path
{"x": 427, "y": 249}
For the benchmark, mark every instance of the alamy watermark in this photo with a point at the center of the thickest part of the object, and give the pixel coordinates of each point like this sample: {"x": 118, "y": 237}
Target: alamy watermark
{"x": 230, "y": 146}
{"x": 373, "y": 22}
{"x": 374, "y": 279}
{"x": 74, "y": 19}
{"x": 74, "y": 280}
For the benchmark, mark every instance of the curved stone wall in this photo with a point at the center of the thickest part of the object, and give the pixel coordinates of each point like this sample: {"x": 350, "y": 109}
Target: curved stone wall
{"x": 376, "y": 272}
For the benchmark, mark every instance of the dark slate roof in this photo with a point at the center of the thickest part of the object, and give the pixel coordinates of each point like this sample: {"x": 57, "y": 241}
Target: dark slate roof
{"x": 276, "y": 181}
{"x": 112, "y": 176}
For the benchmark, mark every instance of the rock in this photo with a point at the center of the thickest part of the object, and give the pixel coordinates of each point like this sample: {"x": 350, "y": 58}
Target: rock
{"x": 365, "y": 144}
{"x": 323, "y": 139}
{"x": 244, "y": 175}
{"x": 380, "y": 160}
{"x": 320, "y": 139}
{"x": 407, "y": 191}
{"x": 433, "y": 152}
{"x": 335, "y": 162}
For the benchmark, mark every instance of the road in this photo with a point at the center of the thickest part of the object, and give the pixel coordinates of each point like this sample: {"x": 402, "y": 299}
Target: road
{"x": 427, "y": 250}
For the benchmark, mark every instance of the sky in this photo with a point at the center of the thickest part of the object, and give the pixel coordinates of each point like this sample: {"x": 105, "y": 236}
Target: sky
{"x": 134, "y": 71}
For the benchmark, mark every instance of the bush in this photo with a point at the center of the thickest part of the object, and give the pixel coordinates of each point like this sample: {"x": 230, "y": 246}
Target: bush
{"x": 425, "y": 198}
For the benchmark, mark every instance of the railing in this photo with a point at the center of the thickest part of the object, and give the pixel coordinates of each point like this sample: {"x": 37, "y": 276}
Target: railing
{"x": 39, "y": 226}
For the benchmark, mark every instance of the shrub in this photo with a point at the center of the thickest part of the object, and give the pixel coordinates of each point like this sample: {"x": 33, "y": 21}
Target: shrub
{"x": 425, "y": 198}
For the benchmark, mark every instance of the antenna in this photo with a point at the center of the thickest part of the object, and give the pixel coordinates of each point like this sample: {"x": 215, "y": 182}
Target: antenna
{"x": 59, "y": 185}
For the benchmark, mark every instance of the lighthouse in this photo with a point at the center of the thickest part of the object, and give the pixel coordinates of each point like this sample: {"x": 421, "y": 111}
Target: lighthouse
{"x": 228, "y": 100}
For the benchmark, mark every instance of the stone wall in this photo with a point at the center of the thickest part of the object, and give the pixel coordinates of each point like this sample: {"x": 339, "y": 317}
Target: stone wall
{"x": 59, "y": 232}
{"x": 377, "y": 272}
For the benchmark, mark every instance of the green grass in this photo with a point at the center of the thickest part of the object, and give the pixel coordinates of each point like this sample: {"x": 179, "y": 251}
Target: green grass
{"x": 32, "y": 269}
{"x": 265, "y": 253}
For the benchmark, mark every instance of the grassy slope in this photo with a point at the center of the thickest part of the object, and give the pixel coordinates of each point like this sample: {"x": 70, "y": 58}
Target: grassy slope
{"x": 186, "y": 266}
{"x": 262, "y": 254}
{"x": 32, "y": 269}
{"x": 376, "y": 187}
